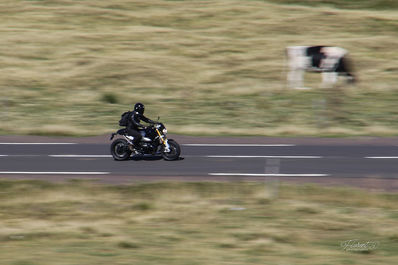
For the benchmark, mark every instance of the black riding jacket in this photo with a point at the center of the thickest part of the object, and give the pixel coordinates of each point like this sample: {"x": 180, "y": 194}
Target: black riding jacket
{"x": 134, "y": 121}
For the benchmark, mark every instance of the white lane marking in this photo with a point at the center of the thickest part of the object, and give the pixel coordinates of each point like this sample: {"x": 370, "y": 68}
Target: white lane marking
{"x": 35, "y": 143}
{"x": 253, "y": 145}
{"x": 225, "y": 156}
{"x": 53, "y": 173}
{"x": 21, "y": 155}
{"x": 238, "y": 145}
{"x": 209, "y": 156}
{"x": 382, "y": 157}
{"x": 81, "y": 156}
{"x": 268, "y": 175}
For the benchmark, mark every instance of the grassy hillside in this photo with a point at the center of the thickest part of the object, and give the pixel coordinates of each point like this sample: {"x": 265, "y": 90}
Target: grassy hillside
{"x": 194, "y": 223}
{"x": 206, "y": 67}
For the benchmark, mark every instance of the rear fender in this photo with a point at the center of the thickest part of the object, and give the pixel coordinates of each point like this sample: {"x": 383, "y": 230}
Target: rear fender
{"x": 119, "y": 132}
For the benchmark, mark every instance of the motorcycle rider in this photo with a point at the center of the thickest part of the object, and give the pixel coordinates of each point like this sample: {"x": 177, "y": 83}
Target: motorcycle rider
{"x": 134, "y": 124}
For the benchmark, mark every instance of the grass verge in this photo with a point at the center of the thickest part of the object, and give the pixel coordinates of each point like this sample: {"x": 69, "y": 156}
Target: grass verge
{"x": 193, "y": 223}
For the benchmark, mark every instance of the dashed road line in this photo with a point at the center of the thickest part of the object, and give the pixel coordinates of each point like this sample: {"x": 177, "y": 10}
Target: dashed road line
{"x": 382, "y": 157}
{"x": 230, "y": 156}
{"x": 80, "y": 156}
{"x": 242, "y": 145}
{"x": 268, "y": 175}
{"x": 52, "y": 173}
{"x": 36, "y": 143}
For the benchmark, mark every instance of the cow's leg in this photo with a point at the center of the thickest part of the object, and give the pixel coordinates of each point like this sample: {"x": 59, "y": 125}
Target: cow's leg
{"x": 295, "y": 78}
{"x": 329, "y": 79}
{"x": 350, "y": 78}
{"x": 298, "y": 63}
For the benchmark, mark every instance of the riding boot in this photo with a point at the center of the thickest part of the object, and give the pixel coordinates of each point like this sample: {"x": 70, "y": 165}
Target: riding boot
{"x": 138, "y": 149}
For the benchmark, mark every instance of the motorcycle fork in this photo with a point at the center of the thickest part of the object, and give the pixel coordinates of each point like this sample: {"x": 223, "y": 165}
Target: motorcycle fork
{"x": 166, "y": 145}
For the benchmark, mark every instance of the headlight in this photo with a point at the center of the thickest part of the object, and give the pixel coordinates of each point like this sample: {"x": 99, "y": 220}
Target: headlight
{"x": 164, "y": 131}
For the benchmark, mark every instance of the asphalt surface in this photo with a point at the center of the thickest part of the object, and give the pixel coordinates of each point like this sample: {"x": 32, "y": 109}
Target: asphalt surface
{"x": 365, "y": 162}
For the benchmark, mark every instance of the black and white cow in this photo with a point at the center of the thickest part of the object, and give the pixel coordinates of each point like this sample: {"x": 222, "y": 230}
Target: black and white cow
{"x": 328, "y": 60}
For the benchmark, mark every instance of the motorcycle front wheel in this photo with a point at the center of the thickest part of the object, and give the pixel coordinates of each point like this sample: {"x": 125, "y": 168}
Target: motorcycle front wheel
{"x": 174, "y": 153}
{"x": 120, "y": 150}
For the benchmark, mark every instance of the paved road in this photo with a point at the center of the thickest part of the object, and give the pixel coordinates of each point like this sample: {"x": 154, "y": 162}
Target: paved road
{"x": 321, "y": 160}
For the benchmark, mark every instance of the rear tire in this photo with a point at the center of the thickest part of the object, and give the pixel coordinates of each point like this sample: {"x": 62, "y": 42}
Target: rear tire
{"x": 174, "y": 153}
{"x": 120, "y": 150}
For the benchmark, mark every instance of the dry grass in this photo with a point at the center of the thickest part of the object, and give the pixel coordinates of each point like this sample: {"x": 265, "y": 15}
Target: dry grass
{"x": 198, "y": 64}
{"x": 192, "y": 223}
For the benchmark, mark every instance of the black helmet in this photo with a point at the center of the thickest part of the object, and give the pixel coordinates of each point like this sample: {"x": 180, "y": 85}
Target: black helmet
{"x": 139, "y": 107}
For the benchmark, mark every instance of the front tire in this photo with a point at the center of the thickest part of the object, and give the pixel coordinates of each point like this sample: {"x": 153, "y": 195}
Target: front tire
{"x": 120, "y": 150}
{"x": 174, "y": 153}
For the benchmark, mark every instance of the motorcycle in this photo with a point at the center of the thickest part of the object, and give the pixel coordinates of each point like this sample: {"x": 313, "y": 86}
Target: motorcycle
{"x": 153, "y": 142}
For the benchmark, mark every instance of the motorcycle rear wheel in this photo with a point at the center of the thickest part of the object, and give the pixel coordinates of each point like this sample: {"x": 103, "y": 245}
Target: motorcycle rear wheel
{"x": 174, "y": 153}
{"x": 120, "y": 150}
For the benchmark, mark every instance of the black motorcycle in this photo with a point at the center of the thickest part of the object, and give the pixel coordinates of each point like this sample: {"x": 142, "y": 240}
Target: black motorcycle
{"x": 153, "y": 142}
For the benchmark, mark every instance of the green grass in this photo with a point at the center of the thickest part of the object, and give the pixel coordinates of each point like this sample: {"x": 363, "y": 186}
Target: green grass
{"x": 192, "y": 223}
{"x": 205, "y": 67}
